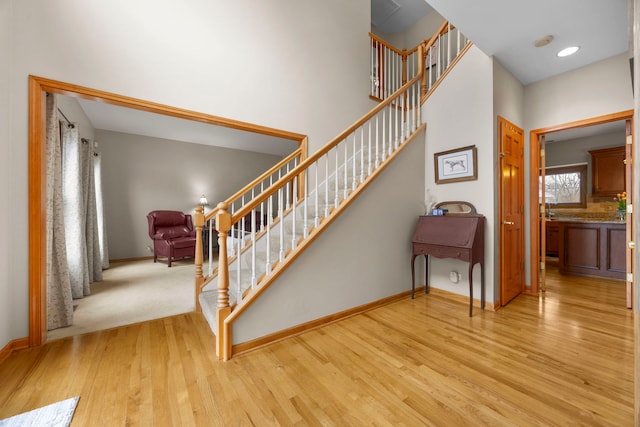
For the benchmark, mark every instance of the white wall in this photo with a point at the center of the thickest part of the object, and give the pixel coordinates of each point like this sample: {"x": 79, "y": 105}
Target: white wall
{"x": 362, "y": 257}
{"x": 458, "y": 114}
{"x": 141, "y": 174}
{"x": 508, "y": 96}
{"x": 595, "y": 90}
{"x": 10, "y": 314}
{"x": 422, "y": 30}
{"x": 73, "y": 112}
{"x": 300, "y": 66}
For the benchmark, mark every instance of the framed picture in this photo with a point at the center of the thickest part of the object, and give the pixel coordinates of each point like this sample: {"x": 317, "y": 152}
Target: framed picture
{"x": 460, "y": 164}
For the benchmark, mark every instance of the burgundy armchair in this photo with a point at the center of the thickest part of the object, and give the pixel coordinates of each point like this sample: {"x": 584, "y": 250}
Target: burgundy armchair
{"x": 172, "y": 234}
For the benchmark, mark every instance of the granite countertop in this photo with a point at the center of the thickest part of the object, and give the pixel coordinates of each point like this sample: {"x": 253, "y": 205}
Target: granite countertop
{"x": 579, "y": 219}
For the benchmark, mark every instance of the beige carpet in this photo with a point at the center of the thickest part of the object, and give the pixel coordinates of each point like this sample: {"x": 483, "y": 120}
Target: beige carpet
{"x": 133, "y": 292}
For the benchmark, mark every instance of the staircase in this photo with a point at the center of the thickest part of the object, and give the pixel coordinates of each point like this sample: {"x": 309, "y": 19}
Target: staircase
{"x": 266, "y": 226}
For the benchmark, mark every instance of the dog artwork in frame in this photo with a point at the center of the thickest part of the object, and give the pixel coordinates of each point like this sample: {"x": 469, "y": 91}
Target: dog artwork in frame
{"x": 456, "y": 165}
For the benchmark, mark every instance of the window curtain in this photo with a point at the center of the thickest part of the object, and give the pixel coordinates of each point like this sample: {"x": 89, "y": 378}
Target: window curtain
{"x": 59, "y": 298}
{"x": 102, "y": 227}
{"x": 78, "y": 239}
{"x": 80, "y": 212}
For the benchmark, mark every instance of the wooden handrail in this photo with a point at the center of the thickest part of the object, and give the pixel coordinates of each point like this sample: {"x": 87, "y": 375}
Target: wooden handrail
{"x": 387, "y": 45}
{"x": 298, "y": 152}
{"x": 324, "y": 150}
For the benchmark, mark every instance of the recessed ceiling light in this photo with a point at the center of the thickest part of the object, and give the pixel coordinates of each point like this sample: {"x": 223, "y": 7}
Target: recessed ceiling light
{"x": 568, "y": 51}
{"x": 543, "y": 41}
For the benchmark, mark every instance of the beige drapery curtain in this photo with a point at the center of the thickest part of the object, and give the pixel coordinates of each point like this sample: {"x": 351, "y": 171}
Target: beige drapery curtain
{"x": 80, "y": 214}
{"x": 59, "y": 298}
{"x": 76, "y": 231}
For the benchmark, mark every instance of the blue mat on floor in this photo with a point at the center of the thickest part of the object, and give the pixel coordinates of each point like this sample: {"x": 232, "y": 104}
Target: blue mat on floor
{"x": 55, "y": 415}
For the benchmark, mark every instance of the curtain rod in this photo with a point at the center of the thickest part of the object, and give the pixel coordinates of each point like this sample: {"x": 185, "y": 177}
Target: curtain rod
{"x": 65, "y": 117}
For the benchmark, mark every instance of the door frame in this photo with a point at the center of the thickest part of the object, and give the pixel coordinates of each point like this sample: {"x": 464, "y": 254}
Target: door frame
{"x": 38, "y": 87}
{"x": 534, "y": 165}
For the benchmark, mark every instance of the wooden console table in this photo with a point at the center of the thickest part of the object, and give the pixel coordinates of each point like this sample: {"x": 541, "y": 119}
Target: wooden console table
{"x": 450, "y": 236}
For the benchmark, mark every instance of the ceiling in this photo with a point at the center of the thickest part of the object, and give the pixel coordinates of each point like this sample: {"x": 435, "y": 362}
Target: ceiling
{"x": 505, "y": 29}
{"x": 137, "y": 122}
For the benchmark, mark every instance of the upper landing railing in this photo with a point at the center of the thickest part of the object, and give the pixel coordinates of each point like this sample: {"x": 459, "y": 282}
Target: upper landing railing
{"x": 392, "y": 67}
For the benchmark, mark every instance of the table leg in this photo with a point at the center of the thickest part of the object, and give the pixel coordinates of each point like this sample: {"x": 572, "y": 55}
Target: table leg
{"x": 470, "y": 289}
{"x": 426, "y": 274}
{"x": 413, "y": 275}
{"x": 482, "y": 284}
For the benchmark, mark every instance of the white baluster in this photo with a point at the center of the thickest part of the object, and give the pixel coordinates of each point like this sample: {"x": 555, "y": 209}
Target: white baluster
{"x": 449, "y": 45}
{"x": 369, "y": 152}
{"x": 281, "y": 217}
{"x": 439, "y": 58}
{"x": 267, "y": 267}
{"x": 354, "y": 175}
{"x": 345, "y": 192}
{"x": 377, "y": 155}
{"x": 379, "y": 69}
{"x": 326, "y": 186}
{"x": 293, "y": 212}
{"x": 372, "y": 74}
{"x": 385, "y": 72}
{"x": 361, "y": 154}
{"x": 402, "y": 117}
{"x": 253, "y": 248}
{"x": 430, "y": 68}
{"x": 316, "y": 220}
{"x": 336, "y": 176}
{"x": 305, "y": 194}
{"x": 210, "y": 261}
{"x": 390, "y": 145}
{"x": 395, "y": 127}
{"x": 384, "y": 151}
{"x": 419, "y": 107}
{"x": 288, "y": 204}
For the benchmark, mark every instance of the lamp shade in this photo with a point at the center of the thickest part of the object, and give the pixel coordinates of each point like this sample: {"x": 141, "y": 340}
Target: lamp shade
{"x": 203, "y": 201}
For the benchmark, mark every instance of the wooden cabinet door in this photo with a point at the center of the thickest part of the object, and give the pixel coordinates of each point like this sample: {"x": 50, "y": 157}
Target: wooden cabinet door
{"x": 608, "y": 171}
{"x": 552, "y": 233}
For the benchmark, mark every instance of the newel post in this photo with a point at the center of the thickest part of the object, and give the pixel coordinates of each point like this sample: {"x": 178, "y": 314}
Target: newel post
{"x": 223, "y": 340}
{"x": 199, "y": 223}
{"x": 422, "y": 60}
{"x": 404, "y": 66}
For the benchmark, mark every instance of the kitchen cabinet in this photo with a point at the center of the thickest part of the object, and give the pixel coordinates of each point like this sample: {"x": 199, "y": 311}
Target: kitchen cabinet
{"x": 607, "y": 171}
{"x": 552, "y": 235}
{"x": 592, "y": 248}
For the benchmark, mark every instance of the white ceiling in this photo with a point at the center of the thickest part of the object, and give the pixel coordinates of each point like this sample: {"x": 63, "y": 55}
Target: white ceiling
{"x": 507, "y": 29}
{"x": 583, "y": 132}
{"x": 393, "y": 16}
{"x": 126, "y": 120}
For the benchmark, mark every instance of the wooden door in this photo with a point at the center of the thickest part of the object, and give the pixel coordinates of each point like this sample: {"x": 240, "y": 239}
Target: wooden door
{"x": 629, "y": 183}
{"x": 511, "y": 210}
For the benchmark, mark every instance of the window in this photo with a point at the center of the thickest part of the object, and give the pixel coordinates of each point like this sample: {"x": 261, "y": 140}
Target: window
{"x": 566, "y": 186}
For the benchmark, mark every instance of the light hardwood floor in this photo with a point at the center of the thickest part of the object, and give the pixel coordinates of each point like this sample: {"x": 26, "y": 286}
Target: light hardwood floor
{"x": 562, "y": 359}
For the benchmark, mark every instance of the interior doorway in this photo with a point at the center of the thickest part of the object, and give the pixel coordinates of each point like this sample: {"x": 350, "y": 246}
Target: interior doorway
{"x": 537, "y": 211}
{"x": 38, "y": 87}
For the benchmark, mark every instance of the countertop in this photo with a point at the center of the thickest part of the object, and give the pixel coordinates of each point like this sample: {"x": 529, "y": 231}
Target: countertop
{"x": 589, "y": 220}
